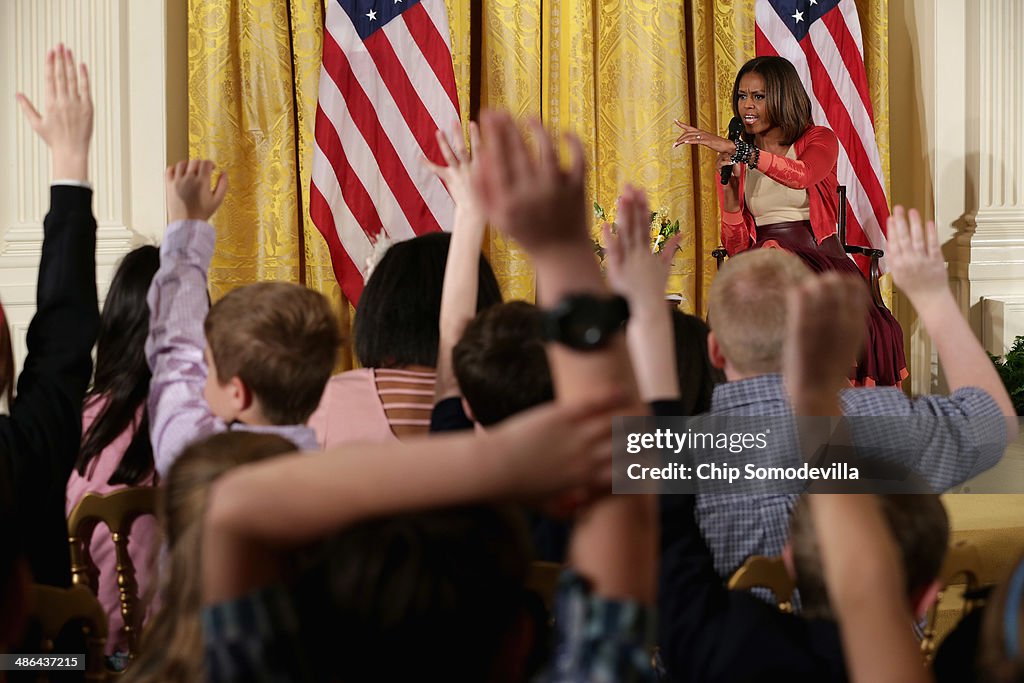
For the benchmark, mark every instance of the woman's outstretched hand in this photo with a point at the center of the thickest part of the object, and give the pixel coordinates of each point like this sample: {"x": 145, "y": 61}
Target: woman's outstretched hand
{"x": 695, "y": 136}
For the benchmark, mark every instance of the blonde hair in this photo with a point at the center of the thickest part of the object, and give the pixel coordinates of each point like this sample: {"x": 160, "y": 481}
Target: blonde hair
{"x": 172, "y": 643}
{"x": 747, "y": 307}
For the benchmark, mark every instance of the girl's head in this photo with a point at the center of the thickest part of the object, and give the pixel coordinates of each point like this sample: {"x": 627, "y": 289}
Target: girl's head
{"x": 397, "y": 316}
{"x": 122, "y": 374}
{"x": 174, "y": 637}
{"x": 768, "y": 94}
{"x": 1001, "y": 651}
{"x": 697, "y": 376}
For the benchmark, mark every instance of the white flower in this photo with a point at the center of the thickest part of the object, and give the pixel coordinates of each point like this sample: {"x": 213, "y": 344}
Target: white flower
{"x": 380, "y": 247}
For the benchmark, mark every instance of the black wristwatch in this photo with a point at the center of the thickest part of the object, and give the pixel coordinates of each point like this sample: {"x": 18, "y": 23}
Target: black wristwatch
{"x": 585, "y": 322}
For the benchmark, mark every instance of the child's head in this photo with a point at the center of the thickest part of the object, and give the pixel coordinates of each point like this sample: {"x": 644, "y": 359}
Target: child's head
{"x": 174, "y": 637}
{"x": 431, "y": 595}
{"x": 396, "y": 322}
{"x": 920, "y": 527}
{"x": 747, "y": 310}
{"x": 122, "y": 373}
{"x": 271, "y": 348}
{"x": 500, "y": 362}
{"x": 697, "y": 376}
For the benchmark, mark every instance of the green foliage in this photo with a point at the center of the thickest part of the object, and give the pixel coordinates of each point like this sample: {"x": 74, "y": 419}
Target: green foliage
{"x": 1011, "y": 371}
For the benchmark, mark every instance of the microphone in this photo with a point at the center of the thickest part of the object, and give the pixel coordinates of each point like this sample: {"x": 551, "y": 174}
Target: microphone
{"x": 735, "y": 131}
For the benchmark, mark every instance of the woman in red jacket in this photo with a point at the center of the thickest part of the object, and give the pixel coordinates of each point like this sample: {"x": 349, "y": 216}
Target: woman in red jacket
{"x": 782, "y": 193}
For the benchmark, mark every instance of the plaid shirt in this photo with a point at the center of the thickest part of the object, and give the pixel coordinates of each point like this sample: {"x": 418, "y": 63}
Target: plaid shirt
{"x": 258, "y": 639}
{"x": 969, "y": 438}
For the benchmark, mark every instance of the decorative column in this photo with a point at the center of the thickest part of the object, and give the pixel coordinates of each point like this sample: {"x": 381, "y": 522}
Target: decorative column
{"x": 138, "y": 113}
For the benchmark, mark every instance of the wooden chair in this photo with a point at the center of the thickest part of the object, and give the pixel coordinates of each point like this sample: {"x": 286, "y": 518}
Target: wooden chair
{"x": 55, "y": 608}
{"x": 962, "y": 566}
{"x": 117, "y": 510}
{"x": 873, "y": 255}
{"x": 543, "y": 580}
{"x": 765, "y": 572}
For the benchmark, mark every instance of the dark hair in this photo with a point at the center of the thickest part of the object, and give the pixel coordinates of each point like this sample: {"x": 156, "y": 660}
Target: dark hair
{"x": 697, "y": 377}
{"x": 786, "y": 102}
{"x": 429, "y": 595}
{"x": 919, "y": 525}
{"x": 281, "y": 339}
{"x": 6, "y": 360}
{"x": 122, "y": 374}
{"x": 500, "y": 362}
{"x": 397, "y": 316}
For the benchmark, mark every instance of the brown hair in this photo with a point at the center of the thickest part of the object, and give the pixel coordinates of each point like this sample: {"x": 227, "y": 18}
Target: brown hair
{"x": 919, "y": 525}
{"x": 501, "y": 364}
{"x": 281, "y": 340}
{"x": 747, "y": 307}
{"x": 786, "y": 102}
{"x": 172, "y": 644}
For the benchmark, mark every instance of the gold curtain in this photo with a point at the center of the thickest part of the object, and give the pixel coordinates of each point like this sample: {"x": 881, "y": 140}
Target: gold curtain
{"x": 616, "y": 71}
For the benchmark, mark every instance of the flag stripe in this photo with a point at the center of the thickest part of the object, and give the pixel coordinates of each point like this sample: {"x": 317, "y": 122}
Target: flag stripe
{"x": 348, "y": 275}
{"x": 846, "y": 49}
{"x": 433, "y": 48}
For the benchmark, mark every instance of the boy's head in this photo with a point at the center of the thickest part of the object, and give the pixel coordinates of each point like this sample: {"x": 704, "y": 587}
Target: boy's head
{"x": 500, "y": 362}
{"x": 920, "y": 528}
{"x": 396, "y": 322}
{"x": 747, "y": 311}
{"x": 431, "y": 595}
{"x": 271, "y": 348}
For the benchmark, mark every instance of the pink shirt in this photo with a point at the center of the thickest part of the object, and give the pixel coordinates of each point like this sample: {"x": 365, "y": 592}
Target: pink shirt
{"x": 352, "y": 408}
{"x": 140, "y": 541}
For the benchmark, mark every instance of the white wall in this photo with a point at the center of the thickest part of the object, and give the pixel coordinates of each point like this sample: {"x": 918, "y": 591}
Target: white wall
{"x": 136, "y": 53}
{"x": 956, "y": 69}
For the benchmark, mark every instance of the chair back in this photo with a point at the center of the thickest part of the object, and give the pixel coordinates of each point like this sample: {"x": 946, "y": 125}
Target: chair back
{"x": 55, "y": 608}
{"x": 962, "y": 566}
{"x": 765, "y": 572}
{"x": 117, "y": 511}
{"x": 543, "y": 580}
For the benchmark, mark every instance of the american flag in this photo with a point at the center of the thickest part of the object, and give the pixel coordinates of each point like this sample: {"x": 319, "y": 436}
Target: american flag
{"x": 386, "y": 85}
{"x": 822, "y": 38}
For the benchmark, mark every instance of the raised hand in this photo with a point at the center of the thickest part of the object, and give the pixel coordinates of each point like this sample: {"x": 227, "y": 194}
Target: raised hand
{"x": 633, "y": 271}
{"x": 825, "y": 322}
{"x": 915, "y": 257}
{"x": 458, "y": 174}
{"x": 530, "y": 198}
{"x": 189, "y": 193}
{"x": 692, "y": 135}
{"x": 66, "y": 124}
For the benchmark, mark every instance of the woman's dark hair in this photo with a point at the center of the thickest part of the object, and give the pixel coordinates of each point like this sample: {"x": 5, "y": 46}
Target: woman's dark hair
{"x": 6, "y": 360}
{"x": 786, "y": 102}
{"x": 397, "y": 316}
{"x": 122, "y": 375}
{"x": 697, "y": 377}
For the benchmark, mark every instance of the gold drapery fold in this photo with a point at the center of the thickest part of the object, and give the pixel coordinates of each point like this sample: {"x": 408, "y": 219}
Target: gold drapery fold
{"x": 616, "y": 71}
{"x": 254, "y": 66}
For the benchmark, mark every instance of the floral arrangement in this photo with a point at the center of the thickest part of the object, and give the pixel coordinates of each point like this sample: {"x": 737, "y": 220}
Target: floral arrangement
{"x": 662, "y": 229}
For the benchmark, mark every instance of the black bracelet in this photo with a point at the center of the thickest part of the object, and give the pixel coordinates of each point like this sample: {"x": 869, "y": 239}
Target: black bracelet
{"x": 754, "y": 159}
{"x": 743, "y": 151}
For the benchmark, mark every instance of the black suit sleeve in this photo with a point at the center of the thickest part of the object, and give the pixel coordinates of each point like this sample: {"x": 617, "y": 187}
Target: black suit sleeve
{"x": 40, "y": 438}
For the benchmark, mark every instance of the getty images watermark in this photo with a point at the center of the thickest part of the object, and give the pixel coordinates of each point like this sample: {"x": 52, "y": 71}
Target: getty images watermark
{"x": 787, "y": 455}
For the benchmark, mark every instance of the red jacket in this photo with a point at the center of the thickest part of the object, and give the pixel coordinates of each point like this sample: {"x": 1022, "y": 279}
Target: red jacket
{"x": 814, "y": 170}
